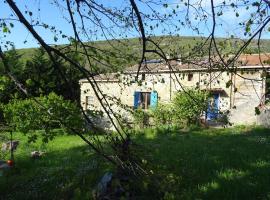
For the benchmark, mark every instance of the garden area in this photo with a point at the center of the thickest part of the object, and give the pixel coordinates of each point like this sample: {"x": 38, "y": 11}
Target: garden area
{"x": 134, "y": 100}
{"x": 191, "y": 163}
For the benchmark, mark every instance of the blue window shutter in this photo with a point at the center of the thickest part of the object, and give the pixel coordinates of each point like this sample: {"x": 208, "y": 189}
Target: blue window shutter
{"x": 136, "y": 99}
{"x": 154, "y": 99}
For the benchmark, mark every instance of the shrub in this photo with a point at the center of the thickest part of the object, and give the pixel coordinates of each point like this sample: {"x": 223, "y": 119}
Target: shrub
{"x": 141, "y": 117}
{"x": 162, "y": 114}
{"x": 43, "y": 113}
{"x": 224, "y": 118}
{"x": 189, "y": 105}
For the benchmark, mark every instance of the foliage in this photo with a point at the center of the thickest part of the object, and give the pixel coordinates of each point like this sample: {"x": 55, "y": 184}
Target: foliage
{"x": 257, "y": 110}
{"x": 188, "y": 106}
{"x": 141, "y": 117}
{"x": 8, "y": 89}
{"x": 223, "y": 118}
{"x": 186, "y": 109}
{"x": 4, "y": 137}
{"x": 162, "y": 114}
{"x": 170, "y": 45}
{"x": 39, "y": 76}
{"x": 44, "y": 113}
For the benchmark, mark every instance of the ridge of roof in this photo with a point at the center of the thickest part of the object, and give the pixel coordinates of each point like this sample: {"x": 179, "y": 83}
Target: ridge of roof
{"x": 243, "y": 60}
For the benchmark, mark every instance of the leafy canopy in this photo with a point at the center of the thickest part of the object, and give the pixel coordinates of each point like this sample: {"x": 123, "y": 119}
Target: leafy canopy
{"x": 42, "y": 113}
{"x": 189, "y": 105}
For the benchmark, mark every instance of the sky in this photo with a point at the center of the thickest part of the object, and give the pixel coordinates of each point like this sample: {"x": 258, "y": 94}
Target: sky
{"x": 44, "y": 11}
{"x": 49, "y": 14}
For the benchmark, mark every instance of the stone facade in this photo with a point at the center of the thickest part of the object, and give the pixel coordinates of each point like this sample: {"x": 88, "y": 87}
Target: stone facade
{"x": 263, "y": 117}
{"x": 239, "y": 93}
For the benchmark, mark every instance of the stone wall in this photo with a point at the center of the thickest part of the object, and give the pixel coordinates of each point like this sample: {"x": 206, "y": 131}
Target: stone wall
{"x": 238, "y": 94}
{"x": 263, "y": 119}
{"x": 248, "y": 95}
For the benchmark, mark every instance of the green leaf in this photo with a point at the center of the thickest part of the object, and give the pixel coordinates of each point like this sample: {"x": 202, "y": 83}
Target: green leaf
{"x": 29, "y": 82}
{"x": 247, "y": 29}
{"x": 256, "y": 4}
{"x": 257, "y": 111}
{"x": 5, "y": 29}
{"x": 228, "y": 84}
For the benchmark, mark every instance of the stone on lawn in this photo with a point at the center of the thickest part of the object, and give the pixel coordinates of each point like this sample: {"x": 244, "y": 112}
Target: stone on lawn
{"x": 8, "y": 146}
{"x": 103, "y": 185}
{"x": 37, "y": 154}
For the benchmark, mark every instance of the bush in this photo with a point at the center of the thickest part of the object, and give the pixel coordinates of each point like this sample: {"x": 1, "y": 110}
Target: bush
{"x": 163, "y": 114}
{"x": 224, "y": 118}
{"x": 189, "y": 105}
{"x": 43, "y": 113}
{"x": 141, "y": 117}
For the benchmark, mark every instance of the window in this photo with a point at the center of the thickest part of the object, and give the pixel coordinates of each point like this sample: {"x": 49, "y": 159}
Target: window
{"x": 190, "y": 77}
{"x": 145, "y": 100}
{"x": 89, "y": 102}
{"x": 143, "y": 76}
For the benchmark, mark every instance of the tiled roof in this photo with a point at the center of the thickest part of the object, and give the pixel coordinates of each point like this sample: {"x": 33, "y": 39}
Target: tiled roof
{"x": 160, "y": 66}
{"x": 254, "y": 59}
{"x": 249, "y": 60}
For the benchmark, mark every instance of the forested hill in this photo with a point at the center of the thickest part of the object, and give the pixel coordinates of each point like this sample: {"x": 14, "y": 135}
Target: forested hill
{"x": 38, "y": 73}
{"x": 122, "y": 53}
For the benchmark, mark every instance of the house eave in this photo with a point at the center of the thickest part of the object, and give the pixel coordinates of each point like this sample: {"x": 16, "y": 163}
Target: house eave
{"x": 99, "y": 80}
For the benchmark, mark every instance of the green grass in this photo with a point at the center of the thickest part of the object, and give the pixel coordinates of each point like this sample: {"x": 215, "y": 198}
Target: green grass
{"x": 68, "y": 169}
{"x": 211, "y": 164}
{"x": 232, "y": 163}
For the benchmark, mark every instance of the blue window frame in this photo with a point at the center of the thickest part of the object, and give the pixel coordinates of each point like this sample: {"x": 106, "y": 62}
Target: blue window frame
{"x": 145, "y": 100}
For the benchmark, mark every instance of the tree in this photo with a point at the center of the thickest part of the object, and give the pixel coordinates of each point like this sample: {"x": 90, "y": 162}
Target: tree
{"x": 39, "y": 76}
{"x": 7, "y": 86}
{"x": 42, "y": 78}
{"x": 42, "y": 113}
{"x": 187, "y": 110}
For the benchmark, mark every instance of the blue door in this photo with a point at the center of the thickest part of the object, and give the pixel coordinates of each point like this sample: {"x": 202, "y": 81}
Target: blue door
{"x": 154, "y": 99}
{"x": 213, "y": 107}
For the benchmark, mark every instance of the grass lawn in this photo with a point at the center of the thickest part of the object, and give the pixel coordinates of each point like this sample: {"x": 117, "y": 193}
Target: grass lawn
{"x": 212, "y": 163}
{"x": 69, "y": 169}
{"x": 231, "y": 163}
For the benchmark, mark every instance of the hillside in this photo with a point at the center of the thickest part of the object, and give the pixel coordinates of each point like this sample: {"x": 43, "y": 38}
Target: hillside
{"x": 122, "y": 53}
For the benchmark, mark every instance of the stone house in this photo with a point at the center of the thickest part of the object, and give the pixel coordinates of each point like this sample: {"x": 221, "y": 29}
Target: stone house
{"x": 237, "y": 90}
